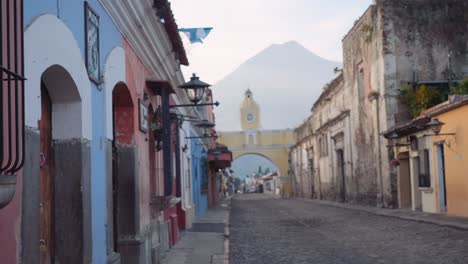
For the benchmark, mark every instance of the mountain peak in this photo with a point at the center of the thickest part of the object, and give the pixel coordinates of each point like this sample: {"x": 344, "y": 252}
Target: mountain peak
{"x": 285, "y": 69}
{"x": 290, "y": 51}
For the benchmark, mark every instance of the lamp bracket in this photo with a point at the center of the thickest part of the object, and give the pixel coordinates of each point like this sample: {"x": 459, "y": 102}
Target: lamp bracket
{"x": 440, "y": 134}
{"x": 192, "y": 105}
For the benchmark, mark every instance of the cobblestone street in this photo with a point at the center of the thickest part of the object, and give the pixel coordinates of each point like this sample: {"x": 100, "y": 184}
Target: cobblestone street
{"x": 267, "y": 230}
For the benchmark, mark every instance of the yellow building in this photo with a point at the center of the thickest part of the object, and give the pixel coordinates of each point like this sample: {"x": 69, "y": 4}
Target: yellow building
{"x": 450, "y": 148}
{"x": 431, "y": 159}
{"x": 271, "y": 144}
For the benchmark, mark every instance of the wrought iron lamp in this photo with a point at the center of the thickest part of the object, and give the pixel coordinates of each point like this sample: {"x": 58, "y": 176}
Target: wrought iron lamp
{"x": 394, "y": 138}
{"x": 195, "y": 90}
{"x": 436, "y": 126}
{"x": 205, "y": 124}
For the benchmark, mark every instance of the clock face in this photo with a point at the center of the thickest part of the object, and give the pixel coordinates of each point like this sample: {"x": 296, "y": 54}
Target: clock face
{"x": 250, "y": 117}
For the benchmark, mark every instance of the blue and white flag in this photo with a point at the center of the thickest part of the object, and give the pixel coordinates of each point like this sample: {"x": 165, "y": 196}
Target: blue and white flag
{"x": 196, "y": 34}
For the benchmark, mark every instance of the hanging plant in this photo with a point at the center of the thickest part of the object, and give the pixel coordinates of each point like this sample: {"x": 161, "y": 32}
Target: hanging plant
{"x": 395, "y": 162}
{"x": 157, "y": 127}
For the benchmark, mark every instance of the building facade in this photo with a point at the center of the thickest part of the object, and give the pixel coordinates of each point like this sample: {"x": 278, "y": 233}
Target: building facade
{"x": 107, "y": 174}
{"x": 387, "y": 49}
{"x": 429, "y": 159}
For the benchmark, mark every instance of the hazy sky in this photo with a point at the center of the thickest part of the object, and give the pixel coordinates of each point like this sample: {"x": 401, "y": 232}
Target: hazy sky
{"x": 242, "y": 28}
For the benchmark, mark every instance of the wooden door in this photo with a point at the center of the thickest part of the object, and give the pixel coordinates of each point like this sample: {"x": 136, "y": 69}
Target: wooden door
{"x": 404, "y": 182}
{"x": 341, "y": 173}
{"x": 441, "y": 174}
{"x": 312, "y": 178}
{"x": 46, "y": 179}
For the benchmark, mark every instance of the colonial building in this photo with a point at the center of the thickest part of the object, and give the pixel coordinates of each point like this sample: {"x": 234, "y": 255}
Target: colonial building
{"x": 320, "y": 161}
{"x": 107, "y": 175}
{"x": 392, "y": 45}
{"x": 429, "y": 154}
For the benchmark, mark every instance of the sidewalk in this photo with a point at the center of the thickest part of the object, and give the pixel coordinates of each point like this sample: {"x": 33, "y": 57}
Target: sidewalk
{"x": 405, "y": 214}
{"x": 207, "y": 242}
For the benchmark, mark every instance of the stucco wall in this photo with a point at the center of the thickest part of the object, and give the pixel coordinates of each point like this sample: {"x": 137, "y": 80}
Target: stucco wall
{"x": 456, "y": 165}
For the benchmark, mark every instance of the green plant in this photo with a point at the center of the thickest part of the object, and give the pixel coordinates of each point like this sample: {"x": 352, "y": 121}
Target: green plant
{"x": 462, "y": 87}
{"x": 420, "y": 99}
{"x": 337, "y": 70}
{"x": 368, "y": 29}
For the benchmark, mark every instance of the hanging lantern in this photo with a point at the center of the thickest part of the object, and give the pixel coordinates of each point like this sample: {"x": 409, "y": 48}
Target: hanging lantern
{"x": 157, "y": 127}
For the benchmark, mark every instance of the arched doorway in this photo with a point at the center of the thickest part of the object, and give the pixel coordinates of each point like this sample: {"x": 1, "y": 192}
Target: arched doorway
{"x": 123, "y": 166}
{"x": 248, "y": 167}
{"x": 61, "y": 169}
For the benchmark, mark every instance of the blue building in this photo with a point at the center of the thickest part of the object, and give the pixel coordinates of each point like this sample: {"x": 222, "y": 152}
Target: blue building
{"x": 65, "y": 101}
{"x": 199, "y": 177}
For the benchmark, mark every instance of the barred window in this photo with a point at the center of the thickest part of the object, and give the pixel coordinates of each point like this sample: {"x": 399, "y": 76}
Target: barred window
{"x": 424, "y": 172}
{"x": 11, "y": 86}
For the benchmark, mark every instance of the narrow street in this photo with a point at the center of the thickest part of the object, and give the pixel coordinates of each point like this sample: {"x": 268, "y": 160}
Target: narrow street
{"x": 267, "y": 230}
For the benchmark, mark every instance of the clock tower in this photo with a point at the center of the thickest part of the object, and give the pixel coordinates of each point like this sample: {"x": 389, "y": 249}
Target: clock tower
{"x": 250, "y": 113}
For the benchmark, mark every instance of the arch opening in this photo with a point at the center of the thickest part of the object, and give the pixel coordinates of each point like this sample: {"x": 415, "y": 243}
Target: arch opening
{"x": 123, "y": 165}
{"x": 66, "y": 102}
{"x": 61, "y": 215}
{"x": 249, "y": 163}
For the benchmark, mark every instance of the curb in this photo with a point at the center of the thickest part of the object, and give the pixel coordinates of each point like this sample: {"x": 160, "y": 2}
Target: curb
{"x": 459, "y": 226}
{"x": 226, "y": 236}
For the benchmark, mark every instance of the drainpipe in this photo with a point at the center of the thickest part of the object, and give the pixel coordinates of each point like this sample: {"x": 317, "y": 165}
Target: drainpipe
{"x": 375, "y": 95}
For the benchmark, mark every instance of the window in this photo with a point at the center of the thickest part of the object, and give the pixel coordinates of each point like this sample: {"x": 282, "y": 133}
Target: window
{"x": 12, "y": 86}
{"x": 361, "y": 88}
{"x": 424, "y": 172}
{"x": 323, "y": 144}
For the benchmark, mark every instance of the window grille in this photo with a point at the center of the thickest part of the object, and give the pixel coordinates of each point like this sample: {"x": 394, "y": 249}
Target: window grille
{"x": 12, "y": 86}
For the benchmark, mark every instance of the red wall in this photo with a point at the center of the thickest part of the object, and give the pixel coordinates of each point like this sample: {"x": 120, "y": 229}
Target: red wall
{"x": 10, "y": 227}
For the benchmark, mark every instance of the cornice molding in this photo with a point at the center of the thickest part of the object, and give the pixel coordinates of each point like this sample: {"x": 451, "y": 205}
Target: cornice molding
{"x": 138, "y": 23}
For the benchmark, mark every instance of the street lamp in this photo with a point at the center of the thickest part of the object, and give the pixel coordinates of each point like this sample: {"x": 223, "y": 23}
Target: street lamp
{"x": 205, "y": 124}
{"x": 435, "y": 125}
{"x": 195, "y": 88}
{"x": 394, "y": 140}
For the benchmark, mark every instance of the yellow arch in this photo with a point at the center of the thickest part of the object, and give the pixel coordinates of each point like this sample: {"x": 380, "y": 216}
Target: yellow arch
{"x": 279, "y": 157}
{"x": 272, "y": 144}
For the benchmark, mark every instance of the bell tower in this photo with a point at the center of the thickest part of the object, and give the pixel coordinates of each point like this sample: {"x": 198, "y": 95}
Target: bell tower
{"x": 250, "y": 112}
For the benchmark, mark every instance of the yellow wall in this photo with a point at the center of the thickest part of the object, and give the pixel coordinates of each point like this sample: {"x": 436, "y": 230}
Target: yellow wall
{"x": 274, "y": 145}
{"x": 231, "y": 140}
{"x": 275, "y": 138}
{"x": 456, "y": 160}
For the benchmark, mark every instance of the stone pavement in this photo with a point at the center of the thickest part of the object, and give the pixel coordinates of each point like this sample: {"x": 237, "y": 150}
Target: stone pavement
{"x": 284, "y": 231}
{"x": 405, "y": 214}
{"x": 207, "y": 241}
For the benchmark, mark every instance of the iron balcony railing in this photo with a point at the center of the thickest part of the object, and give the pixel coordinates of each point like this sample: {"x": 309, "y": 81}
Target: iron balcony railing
{"x": 12, "y": 86}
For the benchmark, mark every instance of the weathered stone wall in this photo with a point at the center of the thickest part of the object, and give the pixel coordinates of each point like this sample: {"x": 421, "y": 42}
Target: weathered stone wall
{"x": 314, "y": 164}
{"x": 394, "y": 43}
{"x": 363, "y": 74}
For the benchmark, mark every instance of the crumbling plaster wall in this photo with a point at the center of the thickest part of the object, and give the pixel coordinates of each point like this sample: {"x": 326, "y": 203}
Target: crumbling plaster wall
{"x": 363, "y": 73}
